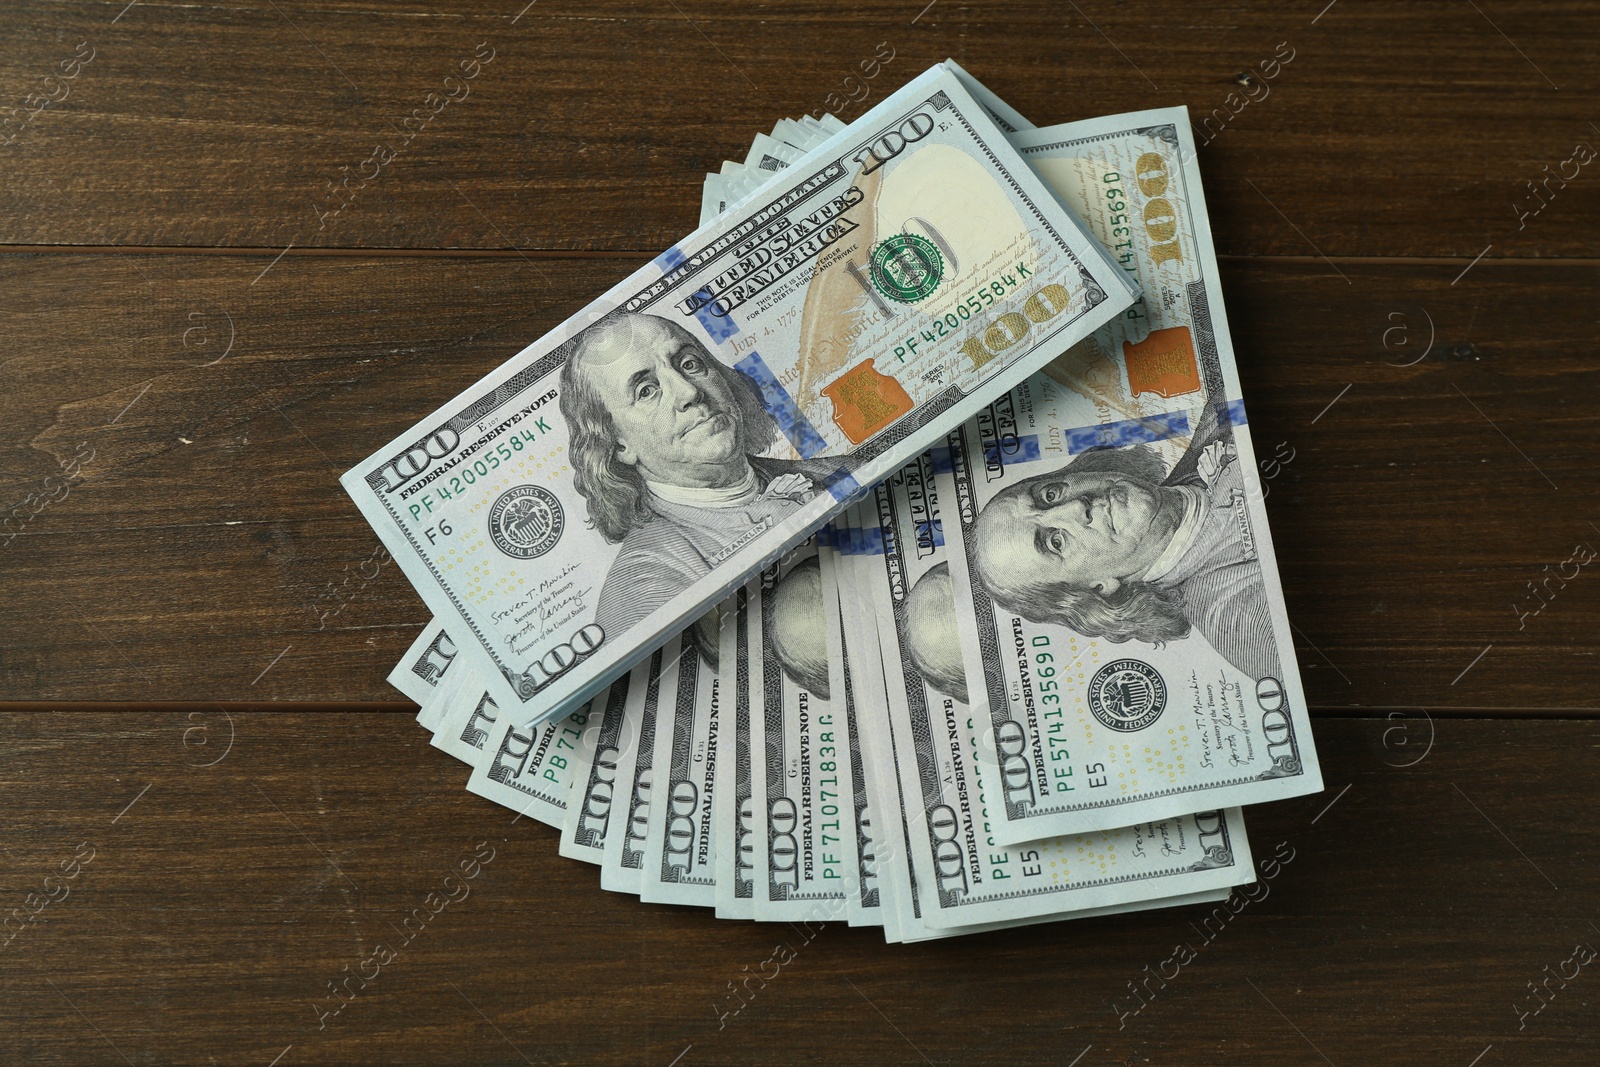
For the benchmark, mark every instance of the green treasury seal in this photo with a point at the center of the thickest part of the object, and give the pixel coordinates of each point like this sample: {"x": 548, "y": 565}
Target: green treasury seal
{"x": 906, "y": 267}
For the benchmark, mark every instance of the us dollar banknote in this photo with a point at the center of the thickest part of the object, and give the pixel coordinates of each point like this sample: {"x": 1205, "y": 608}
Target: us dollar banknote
{"x": 900, "y": 909}
{"x": 467, "y": 722}
{"x": 622, "y": 867}
{"x": 424, "y": 666}
{"x": 801, "y": 787}
{"x": 680, "y": 860}
{"x": 735, "y": 815}
{"x": 1121, "y": 616}
{"x": 735, "y": 181}
{"x": 528, "y": 768}
{"x": 766, "y": 157}
{"x": 963, "y": 876}
{"x": 618, "y": 477}
{"x": 896, "y": 889}
{"x": 607, "y": 735}
{"x": 860, "y": 877}
{"x": 769, "y": 154}
{"x": 430, "y": 716}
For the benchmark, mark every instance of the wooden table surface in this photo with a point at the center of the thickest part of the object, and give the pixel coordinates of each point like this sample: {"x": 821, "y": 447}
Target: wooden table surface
{"x": 194, "y": 633}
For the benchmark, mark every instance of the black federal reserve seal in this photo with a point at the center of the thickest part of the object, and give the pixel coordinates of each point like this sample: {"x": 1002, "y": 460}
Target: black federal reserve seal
{"x": 526, "y": 522}
{"x": 1127, "y": 695}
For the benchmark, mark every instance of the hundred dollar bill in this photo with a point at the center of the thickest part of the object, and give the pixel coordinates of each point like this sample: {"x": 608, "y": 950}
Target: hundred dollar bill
{"x": 795, "y": 135}
{"x": 616, "y": 478}
{"x": 528, "y": 768}
{"x": 898, "y": 898}
{"x": 963, "y": 876}
{"x": 680, "y": 862}
{"x": 735, "y": 847}
{"x": 469, "y": 719}
{"x": 900, "y": 910}
{"x": 430, "y": 716}
{"x": 896, "y": 890}
{"x": 766, "y": 157}
{"x": 771, "y": 155}
{"x": 425, "y": 663}
{"x": 731, "y": 186}
{"x": 801, "y": 787}
{"x": 1120, "y": 611}
{"x": 860, "y": 862}
{"x": 622, "y": 867}
{"x": 712, "y": 202}
{"x": 606, "y": 736}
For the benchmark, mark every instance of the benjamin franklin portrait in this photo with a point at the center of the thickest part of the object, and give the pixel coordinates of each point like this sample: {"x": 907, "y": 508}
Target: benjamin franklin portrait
{"x": 933, "y": 642}
{"x": 798, "y": 634}
{"x": 1112, "y": 545}
{"x": 666, "y": 452}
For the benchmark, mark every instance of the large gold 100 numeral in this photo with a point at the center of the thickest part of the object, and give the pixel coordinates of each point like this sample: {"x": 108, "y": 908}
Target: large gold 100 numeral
{"x": 1045, "y": 304}
{"x": 1160, "y": 219}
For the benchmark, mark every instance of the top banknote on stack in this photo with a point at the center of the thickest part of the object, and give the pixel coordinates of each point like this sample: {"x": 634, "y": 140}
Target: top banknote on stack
{"x": 571, "y": 509}
{"x": 889, "y": 549}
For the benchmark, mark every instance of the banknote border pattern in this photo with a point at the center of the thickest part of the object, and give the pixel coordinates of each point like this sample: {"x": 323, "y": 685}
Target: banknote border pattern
{"x": 1165, "y": 131}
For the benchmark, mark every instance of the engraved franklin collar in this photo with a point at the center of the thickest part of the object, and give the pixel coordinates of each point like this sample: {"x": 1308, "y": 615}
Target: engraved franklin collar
{"x": 1194, "y": 508}
{"x": 696, "y": 497}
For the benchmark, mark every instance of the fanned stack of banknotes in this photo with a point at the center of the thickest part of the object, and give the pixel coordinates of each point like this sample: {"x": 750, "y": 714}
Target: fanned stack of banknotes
{"x": 890, "y": 550}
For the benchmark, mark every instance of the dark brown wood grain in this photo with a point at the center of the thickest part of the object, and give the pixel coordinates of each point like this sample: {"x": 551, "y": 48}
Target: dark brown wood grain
{"x": 177, "y": 616}
{"x": 218, "y": 907}
{"x": 1409, "y": 516}
{"x": 1394, "y": 129}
